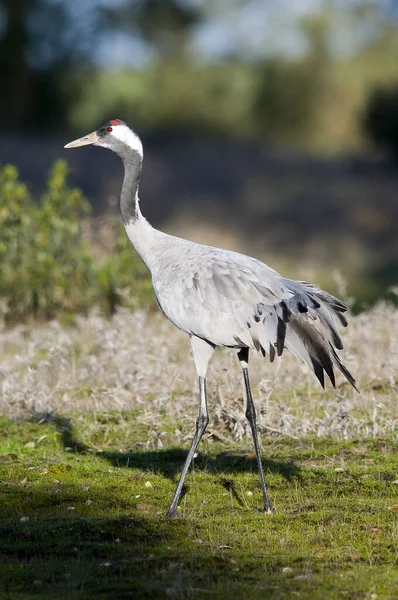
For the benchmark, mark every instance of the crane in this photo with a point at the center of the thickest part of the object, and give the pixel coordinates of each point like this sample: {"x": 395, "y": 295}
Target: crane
{"x": 223, "y": 298}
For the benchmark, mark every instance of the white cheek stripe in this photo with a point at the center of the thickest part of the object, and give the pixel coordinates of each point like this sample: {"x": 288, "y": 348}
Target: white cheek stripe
{"x": 127, "y": 136}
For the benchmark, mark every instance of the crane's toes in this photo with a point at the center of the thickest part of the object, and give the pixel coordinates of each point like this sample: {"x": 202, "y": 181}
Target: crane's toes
{"x": 173, "y": 513}
{"x": 269, "y": 511}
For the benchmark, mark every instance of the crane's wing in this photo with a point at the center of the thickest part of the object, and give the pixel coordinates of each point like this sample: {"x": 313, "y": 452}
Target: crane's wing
{"x": 234, "y": 300}
{"x": 220, "y": 295}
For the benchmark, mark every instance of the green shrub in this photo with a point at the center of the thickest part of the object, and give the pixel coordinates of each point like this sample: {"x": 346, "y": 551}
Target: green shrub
{"x": 64, "y": 270}
{"x": 123, "y": 278}
{"x": 46, "y": 267}
{"x": 18, "y": 216}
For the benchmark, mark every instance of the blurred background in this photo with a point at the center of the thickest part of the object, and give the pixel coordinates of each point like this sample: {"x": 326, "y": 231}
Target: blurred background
{"x": 269, "y": 128}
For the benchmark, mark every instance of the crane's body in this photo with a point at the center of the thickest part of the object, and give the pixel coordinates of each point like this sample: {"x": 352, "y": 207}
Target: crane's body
{"x": 223, "y": 298}
{"x": 206, "y": 291}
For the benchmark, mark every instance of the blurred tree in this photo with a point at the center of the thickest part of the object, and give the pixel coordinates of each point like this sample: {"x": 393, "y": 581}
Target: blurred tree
{"x": 15, "y": 74}
{"x": 166, "y": 25}
{"x": 50, "y": 52}
{"x": 290, "y": 91}
{"x": 380, "y": 112}
{"x": 163, "y": 24}
{"x": 40, "y": 43}
{"x": 43, "y": 42}
{"x": 381, "y": 118}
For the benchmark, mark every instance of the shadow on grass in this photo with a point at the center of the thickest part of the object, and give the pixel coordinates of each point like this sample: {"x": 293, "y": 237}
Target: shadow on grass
{"x": 82, "y": 538}
{"x": 61, "y": 556}
{"x": 49, "y": 551}
{"x": 169, "y": 462}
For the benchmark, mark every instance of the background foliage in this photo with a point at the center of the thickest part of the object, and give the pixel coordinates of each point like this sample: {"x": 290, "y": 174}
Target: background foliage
{"x": 278, "y": 93}
{"x": 60, "y": 67}
{"x": 46, "y": 265}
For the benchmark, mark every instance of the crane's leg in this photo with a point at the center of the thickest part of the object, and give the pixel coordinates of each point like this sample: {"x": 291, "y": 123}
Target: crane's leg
{"x": 243, "y": 356}
{"x": 202, "y": 352}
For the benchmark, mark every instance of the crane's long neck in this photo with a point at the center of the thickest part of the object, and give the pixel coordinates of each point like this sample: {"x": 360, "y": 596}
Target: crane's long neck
{"x": 129, "y": 203}
{"x": 141, "y": 234}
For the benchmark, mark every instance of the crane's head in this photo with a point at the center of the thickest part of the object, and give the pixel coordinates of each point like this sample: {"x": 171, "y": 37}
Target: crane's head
{"x": 114, "y": 135}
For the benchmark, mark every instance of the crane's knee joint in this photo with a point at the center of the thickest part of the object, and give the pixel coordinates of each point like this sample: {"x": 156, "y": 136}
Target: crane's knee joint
{"x": 202, "y": 422}
{"x": 250, "y": 414}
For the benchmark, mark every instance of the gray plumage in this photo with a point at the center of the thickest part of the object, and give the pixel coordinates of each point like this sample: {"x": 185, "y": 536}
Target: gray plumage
{"x": 223, "y": 298}
{"x": 233, "y": 300}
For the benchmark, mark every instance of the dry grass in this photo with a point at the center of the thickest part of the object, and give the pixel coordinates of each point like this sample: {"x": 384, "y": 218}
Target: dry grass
{"x": 141, "y": 362}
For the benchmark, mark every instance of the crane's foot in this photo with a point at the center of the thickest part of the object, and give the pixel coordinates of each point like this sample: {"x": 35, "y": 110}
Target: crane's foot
{"x": 269, "y": 510}
{"x": 171, "y": 512}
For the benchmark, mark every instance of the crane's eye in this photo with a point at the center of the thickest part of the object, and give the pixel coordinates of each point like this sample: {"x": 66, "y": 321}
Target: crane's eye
{"x": 109, "y": 129}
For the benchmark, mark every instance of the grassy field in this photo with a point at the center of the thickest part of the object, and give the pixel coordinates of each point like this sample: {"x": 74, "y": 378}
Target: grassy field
{"x": 97, "y": 417}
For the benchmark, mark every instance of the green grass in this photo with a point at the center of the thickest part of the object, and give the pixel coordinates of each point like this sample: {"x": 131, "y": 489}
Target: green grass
{"x": 79, "y": 519}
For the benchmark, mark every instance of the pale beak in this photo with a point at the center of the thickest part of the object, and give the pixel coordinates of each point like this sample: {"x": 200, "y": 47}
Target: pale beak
{"x": 91, "y": 138}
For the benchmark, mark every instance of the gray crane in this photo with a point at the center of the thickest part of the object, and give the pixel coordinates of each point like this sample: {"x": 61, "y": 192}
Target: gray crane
{"x": 223, "y": 298}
